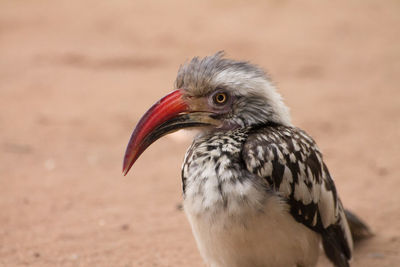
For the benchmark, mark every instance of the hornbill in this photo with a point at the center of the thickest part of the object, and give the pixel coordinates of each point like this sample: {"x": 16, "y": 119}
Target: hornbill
{"x": 256, "y": 190}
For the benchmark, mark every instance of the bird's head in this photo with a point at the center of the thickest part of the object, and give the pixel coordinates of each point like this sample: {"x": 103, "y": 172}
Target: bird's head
{"x": 213, "y": 93}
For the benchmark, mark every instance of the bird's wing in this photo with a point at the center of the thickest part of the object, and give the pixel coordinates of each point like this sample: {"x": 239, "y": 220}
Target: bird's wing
{"x": 292, "y": 165}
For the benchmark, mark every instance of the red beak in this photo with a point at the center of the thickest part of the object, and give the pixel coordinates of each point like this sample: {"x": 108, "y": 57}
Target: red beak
{"x": 169, "y": 114}
{"x": 165, "y": 109}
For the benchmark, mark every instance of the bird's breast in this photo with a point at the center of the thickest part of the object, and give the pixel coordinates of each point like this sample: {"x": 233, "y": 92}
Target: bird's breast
{"x": 215, "y": 178}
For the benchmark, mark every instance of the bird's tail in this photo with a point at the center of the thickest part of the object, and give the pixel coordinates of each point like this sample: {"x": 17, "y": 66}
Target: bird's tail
{"x": 359, "y": 229}
{"x": 336, "y": 238}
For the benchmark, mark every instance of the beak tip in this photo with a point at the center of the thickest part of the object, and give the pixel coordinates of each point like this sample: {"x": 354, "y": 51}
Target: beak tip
{"x": 125, "y": 169}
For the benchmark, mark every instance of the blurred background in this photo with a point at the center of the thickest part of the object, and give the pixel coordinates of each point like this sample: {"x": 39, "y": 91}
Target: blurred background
{"x": 75, "y": 77}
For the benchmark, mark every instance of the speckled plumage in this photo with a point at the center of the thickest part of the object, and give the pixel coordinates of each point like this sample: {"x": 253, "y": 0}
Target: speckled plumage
{"x": 243, "y": 180}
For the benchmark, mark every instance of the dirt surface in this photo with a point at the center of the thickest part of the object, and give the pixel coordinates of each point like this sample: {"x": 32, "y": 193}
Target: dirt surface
{"x": 75, "y": 76}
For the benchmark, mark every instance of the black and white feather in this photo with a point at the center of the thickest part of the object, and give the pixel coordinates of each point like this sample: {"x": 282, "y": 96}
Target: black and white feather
{"x": 292, "y": 164}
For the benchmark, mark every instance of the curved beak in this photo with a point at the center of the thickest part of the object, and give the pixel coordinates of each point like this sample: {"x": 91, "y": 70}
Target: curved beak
{"x": 169, "y": 114}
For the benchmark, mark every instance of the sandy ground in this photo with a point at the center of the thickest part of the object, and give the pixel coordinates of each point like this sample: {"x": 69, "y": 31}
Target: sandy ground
{"x": 75, "y": 76}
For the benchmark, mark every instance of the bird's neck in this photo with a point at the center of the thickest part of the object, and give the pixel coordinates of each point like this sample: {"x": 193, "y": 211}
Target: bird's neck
{"x": 232, "y": 129}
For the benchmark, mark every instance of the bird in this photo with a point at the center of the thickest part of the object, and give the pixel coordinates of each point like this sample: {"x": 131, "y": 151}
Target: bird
{"x": 256, "y": 190}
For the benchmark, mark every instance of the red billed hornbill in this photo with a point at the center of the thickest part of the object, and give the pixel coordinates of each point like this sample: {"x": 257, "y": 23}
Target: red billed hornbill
{"x": 256, "y": 190}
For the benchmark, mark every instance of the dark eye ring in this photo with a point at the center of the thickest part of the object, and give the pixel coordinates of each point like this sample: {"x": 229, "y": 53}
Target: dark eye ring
{"x": 220, "y": 98}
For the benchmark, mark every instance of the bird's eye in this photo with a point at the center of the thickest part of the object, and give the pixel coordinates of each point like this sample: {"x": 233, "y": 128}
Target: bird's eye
{"x": 220, "y": 98}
